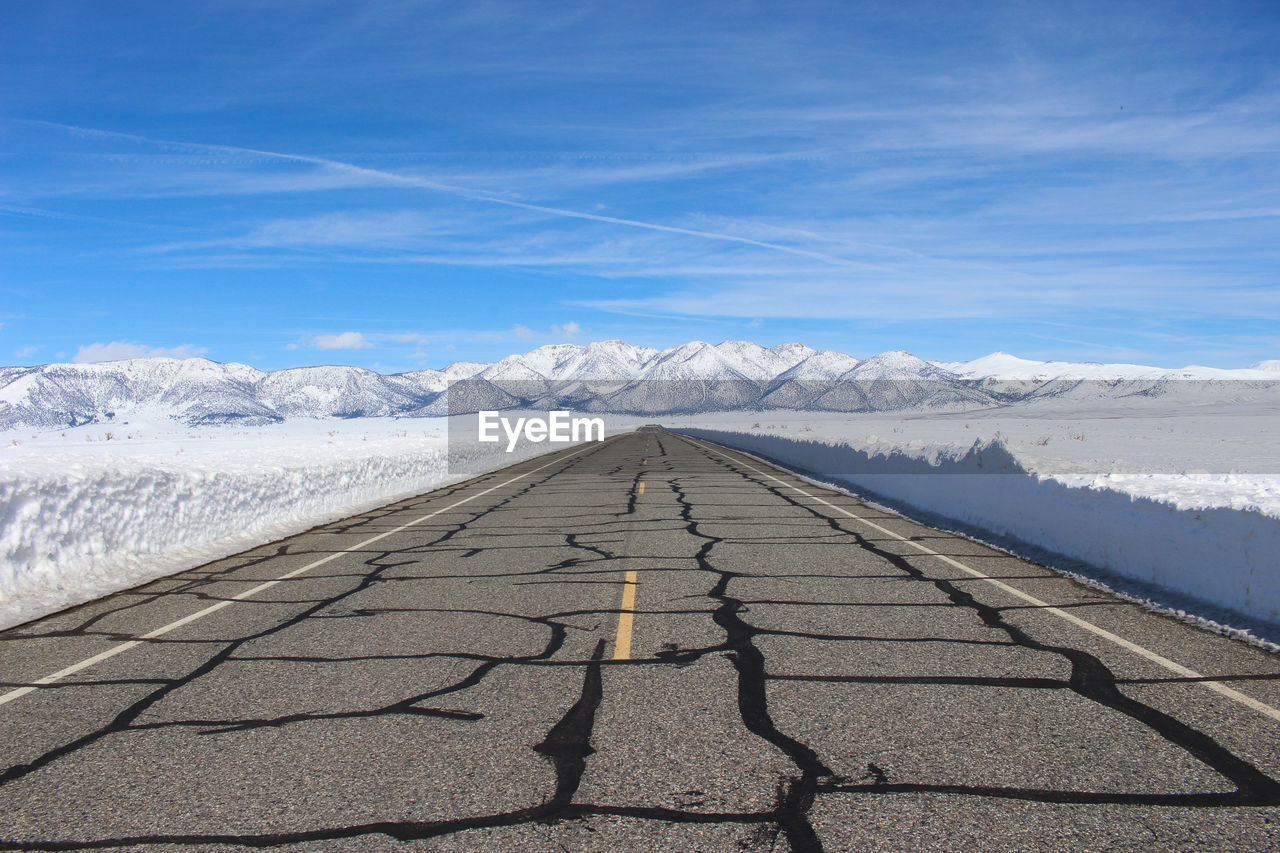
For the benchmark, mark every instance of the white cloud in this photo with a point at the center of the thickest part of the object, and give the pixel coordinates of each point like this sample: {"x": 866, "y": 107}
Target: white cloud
{"x": 117, "y": 350}
{"x": 27, "y": 352}
{"x": 346, "y": 340}
{"x": 517, "y": 332}
{"x": 567, "y": 330}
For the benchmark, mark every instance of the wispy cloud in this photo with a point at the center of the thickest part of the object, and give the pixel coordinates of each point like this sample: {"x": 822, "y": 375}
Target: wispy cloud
{"x": 566, "y": 330}
{"x": 517, "y": 333}
{"x": 342, "y": 340}
{"x": 350, "y": 175}
{"x": 837, "y": 167}
{"x": 118, "y": 350}
{"x": 365, "y": 229}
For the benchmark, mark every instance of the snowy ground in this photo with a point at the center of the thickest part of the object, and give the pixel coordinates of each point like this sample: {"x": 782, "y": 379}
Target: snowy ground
{"x": 1175, "y": 503}
{"x": 1216, "y": 455}
{"x": 94, "y": 509}
{"x": 1184, "y": 501}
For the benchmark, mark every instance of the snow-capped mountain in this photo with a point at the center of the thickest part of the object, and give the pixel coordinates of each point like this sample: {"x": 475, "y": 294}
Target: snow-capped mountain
{"x": 696, "y": 360}
{"x": 192, "y": 390}
{"x": 1002, "y": 366}
{"x": 897, "y": 380}
{"x": 344, "y": 392}
{"x": 759, "y": 364}
{"x": 609, "y": 360}
{"x": 1009, "y": 379}
{"x": 823, "y": 364}
{"x": 603, "y": 376}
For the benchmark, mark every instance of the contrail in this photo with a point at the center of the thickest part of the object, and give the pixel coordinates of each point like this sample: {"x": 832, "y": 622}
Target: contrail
{"x": 379, "y": 176}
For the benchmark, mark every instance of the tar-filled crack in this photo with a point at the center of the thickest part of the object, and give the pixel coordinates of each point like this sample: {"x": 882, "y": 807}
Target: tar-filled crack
{"x": 1090, "y": 678}
{"x": 568, "y": 743}
{"x": 379, "y": 563}
{"x": 796, "y": 794}
{"x": 594, "y": 531}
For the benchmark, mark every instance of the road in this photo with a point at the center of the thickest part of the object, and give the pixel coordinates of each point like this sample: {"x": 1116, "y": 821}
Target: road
{"x": 651, "y": 643}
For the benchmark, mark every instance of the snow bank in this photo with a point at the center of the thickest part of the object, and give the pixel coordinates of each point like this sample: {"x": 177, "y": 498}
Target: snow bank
{"x": 1217, "y": 560}
{"x": 88, "y": 511}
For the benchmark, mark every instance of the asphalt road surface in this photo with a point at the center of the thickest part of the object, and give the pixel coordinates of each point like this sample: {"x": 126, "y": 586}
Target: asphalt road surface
{"x": 652, "y": 643}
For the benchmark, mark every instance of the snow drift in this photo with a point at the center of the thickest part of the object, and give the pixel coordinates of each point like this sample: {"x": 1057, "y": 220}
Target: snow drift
{"x": 1096, "y": 451}
{"x": 1219, "y": 557}
{"x": 89, "y": 512}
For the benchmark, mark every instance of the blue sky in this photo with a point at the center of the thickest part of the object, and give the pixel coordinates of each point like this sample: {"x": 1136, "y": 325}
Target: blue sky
{"x": 403, "y": 184}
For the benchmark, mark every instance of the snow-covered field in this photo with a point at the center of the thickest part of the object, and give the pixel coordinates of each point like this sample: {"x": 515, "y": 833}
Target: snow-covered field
{"x": 90, "y": 510}
{"x": 1168, "y": 479}
{"x": 1213, "y": 455}
{"x": 1184, "y": 502}
{"x": 1176, "y": 503}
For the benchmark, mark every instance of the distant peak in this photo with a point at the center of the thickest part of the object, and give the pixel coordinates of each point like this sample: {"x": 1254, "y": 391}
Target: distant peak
{"x": 897, "y": 355}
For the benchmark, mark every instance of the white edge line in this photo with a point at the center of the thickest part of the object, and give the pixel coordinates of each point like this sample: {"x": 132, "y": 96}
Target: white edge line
{"x": 1160, "y": 660}
{"x": 248, "y": 593}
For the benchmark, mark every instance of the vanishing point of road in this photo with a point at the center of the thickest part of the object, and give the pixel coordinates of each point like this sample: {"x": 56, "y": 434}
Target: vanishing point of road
{"x": 649, "y": 643}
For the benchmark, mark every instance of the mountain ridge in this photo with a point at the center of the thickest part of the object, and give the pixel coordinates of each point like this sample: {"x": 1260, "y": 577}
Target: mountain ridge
{"x": 600, "y": 376}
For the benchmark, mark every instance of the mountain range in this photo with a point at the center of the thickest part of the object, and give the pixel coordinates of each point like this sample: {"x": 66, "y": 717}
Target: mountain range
{"x": 608, "y": 376}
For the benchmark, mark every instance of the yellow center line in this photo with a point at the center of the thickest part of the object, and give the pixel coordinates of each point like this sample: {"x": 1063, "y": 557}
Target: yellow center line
{"x": 642, "y": 487}
{"x": 622, "y": 642}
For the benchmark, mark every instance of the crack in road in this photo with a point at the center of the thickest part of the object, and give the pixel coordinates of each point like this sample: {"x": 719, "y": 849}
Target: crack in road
{"x": 595, "y": 537}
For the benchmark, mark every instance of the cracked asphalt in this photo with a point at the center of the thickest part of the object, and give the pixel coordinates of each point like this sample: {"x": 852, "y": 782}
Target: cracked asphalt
{"x": 805, "y": 672}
